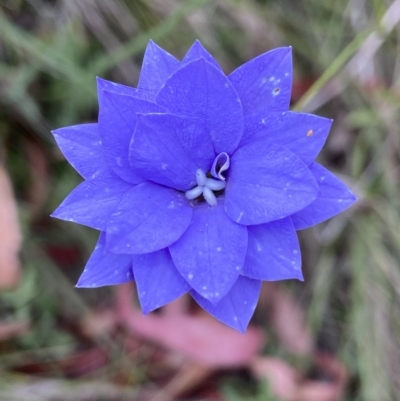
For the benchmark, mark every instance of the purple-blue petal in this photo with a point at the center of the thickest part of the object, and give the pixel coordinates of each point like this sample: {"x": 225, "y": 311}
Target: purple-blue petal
{"x": 169, "y": 149}
{"x": 198, "y": 51}
{"x": 148, "y": 218}
{"x": 265, "y": 83}
{"x": 303, "y": 134}
{"x": 237, "y": 307}
{"x": 210, "y": 254}
{"x": 117, "y": 122}
{"x": 266, "y": 183}
{"x": 105, "y": 268}
{"x": 109, "y": 86}
{"x": 92, "y": 202}
{"x": 157, "y": 66}
{"x": 158, "y": 281}
{"x": 200, "y": 90}
{"x": 81, "y": 146}
{"x": 104, "y": 85}
{"x": 273, "y": 252}
{"x": 333, "y": 198}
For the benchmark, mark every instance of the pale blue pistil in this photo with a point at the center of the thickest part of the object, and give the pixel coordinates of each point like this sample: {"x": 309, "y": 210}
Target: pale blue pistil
{"x": 206, "y": 186}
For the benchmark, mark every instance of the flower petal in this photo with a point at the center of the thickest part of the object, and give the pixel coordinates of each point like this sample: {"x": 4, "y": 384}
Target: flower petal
{"x": 303, "y": 134}
{"x": 157, "y": 66}
{"x": 211, "y": 253}
{"x": 105, "y": 268}
{"x": 267, "y": 182}
{"x": 103, "y": 84}
{"x": 168, "y": 149}
{"x": 92, "y": 201}
{"x": 200, "y": 90}
{"x": 333, "y": 198}
{"x": 149, "y": 218}
{"x": 81, "y": 146}
{"x": 237, "y": 307}
{"x": 198, "y": 51}
{"x": 273, "y": 252}
{"x": 157, "y": 280}
{"x": 117, "y": 122}
{"x": 265, "y": 83}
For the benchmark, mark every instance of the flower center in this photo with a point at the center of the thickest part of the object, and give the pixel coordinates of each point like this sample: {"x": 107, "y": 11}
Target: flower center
{"x": 206, "y": 186}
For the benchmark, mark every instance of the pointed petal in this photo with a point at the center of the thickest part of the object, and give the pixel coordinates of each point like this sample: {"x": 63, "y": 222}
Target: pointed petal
{"x": 103, "y": 84}
{"x": 266, "y": 183}
{"x": 200, "y": 90}
{"x": 157, "y": 280}
{"x": 109, "y": 86}
{"x": 303, "y": 134}
{"x": 333, "y": 198}
{"x": 105, "y": 268}
{"x": 265, "y": 83}
{"x": 198, "y": 51}
{"x": 237, "y": 307}
{"x": 92, "y": 202}
{"x": 273, "y": 252}
{"x": 211, "y": 253}
{"x": 168, "y": 149}
{"x": 149, "y": 218}
{"x": 157, "y": 66}
{"x": 117, "y": 122}
{"x": 81, "y": 146}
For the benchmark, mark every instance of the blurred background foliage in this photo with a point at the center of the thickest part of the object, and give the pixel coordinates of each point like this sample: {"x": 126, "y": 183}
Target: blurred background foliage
{"x": 347, "y": 67}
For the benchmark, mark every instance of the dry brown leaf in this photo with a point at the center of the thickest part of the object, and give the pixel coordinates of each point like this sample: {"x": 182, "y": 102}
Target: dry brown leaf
{"x": 12, "y": 329}
{"x": 290, "y": 385}
{"x": 282, "y": 378}
{"x": 200, "y": 337}
{"x": 39, "y": 177}
{"x": 10, "y": 236}
{"x": 98, "y": 323}
{"x": 187, "y": 377}
{"x": 288, "y": 321}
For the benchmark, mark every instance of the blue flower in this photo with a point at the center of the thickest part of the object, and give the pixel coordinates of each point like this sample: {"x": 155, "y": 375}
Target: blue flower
{"x": 198, "y": 181}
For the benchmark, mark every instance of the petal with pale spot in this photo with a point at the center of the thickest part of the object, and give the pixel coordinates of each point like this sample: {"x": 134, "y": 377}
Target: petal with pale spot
{"x": 237, "y": 307}
{"x": 273, "y": 252}
{"x": 333, "y": 198}
{"x": 81, "y": 146}
{"x": 303, "y": 134}
{"x": 92, "y": 202}
{"x": 158, "y": 282}
{"x": 105, "y": 268}
{"x": 210, "y": 254}
{"x": 267, "y": 182}
{"x": 265, "y": 83}
{"x": 200, "y": 90}
{"x": 148, "y": 218}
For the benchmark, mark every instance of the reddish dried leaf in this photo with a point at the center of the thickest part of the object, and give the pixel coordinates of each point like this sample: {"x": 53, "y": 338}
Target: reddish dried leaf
{"x": 12, "y": 329}
{"x": 200, "y": 337}
{"x": 39, "y": 177}
{"x": 288, "y": 321}
{"x": 282, "y": 378}
{"x": 188, "y": 377}
{"x": 10, "y": 236}
{"x": 99, "y": 323}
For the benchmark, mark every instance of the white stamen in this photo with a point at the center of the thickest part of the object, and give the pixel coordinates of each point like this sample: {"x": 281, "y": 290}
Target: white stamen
{"x": 201, "y": 177}
{"x": 209, "y": 196}
{"x": 194, "y": 193}
{"x": 215, "y": 185}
